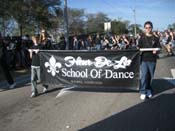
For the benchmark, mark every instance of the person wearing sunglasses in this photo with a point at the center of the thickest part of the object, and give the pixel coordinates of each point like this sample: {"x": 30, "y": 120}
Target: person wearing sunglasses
{"x": 148, "y": 60}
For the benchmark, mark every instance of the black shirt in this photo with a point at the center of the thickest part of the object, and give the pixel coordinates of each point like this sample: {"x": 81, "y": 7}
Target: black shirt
{"x": 148, "y": 42}
{"x": 46, "y": 45}
{"x": 35, "y": 56}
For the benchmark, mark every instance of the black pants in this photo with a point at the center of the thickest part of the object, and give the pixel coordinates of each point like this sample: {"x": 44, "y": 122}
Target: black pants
{"x": 5, "y": 70}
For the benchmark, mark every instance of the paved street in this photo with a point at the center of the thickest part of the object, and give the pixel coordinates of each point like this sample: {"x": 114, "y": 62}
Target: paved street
{"x": 91, "y": 109}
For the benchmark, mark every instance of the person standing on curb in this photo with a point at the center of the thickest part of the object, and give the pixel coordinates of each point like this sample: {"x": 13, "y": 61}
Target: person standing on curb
{"x": 3, "y": 63}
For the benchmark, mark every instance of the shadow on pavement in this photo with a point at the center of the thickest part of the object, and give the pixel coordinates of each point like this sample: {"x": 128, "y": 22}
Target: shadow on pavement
{"x": 103, "y": 90}
{"x": 50, "y": 90}
{"x": 155, "y": 114}
{"x": 152, "y": 115}
{"x": 159, "y": 85}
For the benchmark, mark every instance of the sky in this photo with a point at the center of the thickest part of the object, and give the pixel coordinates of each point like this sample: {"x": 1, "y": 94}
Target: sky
{"x": 160, "y": 12}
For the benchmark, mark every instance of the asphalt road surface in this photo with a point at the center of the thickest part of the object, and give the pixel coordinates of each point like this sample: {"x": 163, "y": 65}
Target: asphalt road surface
{"x": 92, "y": 109}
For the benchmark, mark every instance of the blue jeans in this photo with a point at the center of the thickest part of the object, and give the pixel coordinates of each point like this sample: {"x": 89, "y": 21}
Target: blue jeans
{"x": 35, "y": 76}
{"x": 147, "y": 74}
{"x": 98, "y": 46}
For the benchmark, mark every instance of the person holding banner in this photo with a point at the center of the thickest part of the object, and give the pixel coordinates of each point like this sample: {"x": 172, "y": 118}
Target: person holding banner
{"x": 35, "y": 67}
{"x": 149, "y": 45}
{"x": 45, "y": 44}
{"x": 45, "y": 41}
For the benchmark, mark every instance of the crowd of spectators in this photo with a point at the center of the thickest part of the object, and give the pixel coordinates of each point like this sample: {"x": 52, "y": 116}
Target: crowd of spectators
{"x": 120, "y": 42}
{"x": 17, "y": 54}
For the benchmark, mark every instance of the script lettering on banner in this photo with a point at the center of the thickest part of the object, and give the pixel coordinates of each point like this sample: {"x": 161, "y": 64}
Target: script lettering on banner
{"x": 119, "y": 69}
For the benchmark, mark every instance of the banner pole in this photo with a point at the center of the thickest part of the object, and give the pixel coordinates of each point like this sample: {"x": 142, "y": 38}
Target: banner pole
{"x": 149, "y": 49}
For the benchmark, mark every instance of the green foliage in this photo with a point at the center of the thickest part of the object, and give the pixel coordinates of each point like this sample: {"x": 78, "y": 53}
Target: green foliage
{"x": 32, "y": 14}
{"x": 95, "y": 22}
{"x": 119, "y": 27}
{"x": 132, "y": 28}
{"x": 172, "y": 26}
{"x": 76, "y": 21}
{"x": 36, "y": 14}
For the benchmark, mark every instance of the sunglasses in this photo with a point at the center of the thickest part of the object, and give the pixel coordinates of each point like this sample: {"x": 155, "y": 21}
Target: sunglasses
{"x": 148, "y": 27}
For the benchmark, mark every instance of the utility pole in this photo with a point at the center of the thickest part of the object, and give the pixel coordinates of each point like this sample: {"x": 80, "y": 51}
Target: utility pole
{"x": 66, "y": 31}
{"x": 135, "y": 28}
{"x": 3, "y": 19}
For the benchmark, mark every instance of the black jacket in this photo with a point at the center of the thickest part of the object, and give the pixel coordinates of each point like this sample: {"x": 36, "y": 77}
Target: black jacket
{"x": 35, "y": 56}
{"x": 148, "y": 42}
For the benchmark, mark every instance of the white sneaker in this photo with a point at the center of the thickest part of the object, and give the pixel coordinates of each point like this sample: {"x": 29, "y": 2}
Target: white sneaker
{"x": 33, "y": 94}
{"x": 142, "y": 96}
{"x": 44, "y": 90}
{"x": 149, "y": 94}
{"x": 12, "y": 86}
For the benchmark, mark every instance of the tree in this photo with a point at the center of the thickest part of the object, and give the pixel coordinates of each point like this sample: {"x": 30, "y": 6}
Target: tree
{"x": 95, "y": 22}
{"x": 172, "y": 26}
{"x": 4, "y": 15}
{"x": 32, "y": 14}
{"x": 76, "y": 21}
{"x": 132, "y": 27}
{"x": 119, "y": 27}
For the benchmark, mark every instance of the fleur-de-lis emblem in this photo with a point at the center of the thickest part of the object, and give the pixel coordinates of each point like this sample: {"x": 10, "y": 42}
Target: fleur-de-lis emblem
{"x": 53, "y": 66}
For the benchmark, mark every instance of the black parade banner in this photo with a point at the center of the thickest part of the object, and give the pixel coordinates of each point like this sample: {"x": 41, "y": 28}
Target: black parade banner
{"x": 116, "y": 69}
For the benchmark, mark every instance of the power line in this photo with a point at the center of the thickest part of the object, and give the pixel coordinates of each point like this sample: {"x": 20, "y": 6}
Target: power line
{"x": 111, "y": 5}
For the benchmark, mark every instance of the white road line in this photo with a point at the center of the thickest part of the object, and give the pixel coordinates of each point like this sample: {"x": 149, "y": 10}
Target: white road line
{"x": 173, "y": 73}
{"x": 166, "y": 78}
{"x": 64, "y": 91}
